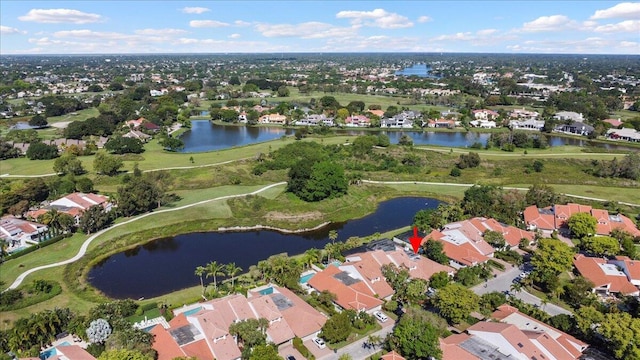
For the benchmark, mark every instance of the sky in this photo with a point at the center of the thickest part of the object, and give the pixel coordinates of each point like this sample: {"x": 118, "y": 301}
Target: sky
{"x": 122, "y": 27}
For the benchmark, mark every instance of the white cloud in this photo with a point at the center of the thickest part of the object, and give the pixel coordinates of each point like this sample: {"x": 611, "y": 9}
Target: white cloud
{"x": 486, "y": 32}
{"x": 194, "y": 10}
{"x": 56, "y": 16}
{"x": 622, "y": 10}
{"x": 241, "y": 23}
{"x": 424, "y": 19}
{"x": 479, "y": 38}
{"x": 307, "y": 30}
{"x": 207, "y": 24}
{"x": 161, "y": 32}
{"x": 7, "y": 30}
{"x": 591, "y": 45}
{"x": 632, "y": 26}
{"x": 376, "y": 18}
{"x": 234, "y": 36}
{"x": 460, "y": 36}
{"x": 548, "y": 23}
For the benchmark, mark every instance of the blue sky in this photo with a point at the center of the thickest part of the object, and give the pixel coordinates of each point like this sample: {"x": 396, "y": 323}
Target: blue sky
{"x": 77, "y": 27}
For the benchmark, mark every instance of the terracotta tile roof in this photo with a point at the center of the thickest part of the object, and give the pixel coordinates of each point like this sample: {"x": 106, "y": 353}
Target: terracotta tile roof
{"x": 625, "y": 224}
{"x": 392, "y": 356}
{"x": 313, "y": 319}
{"x": 604, "y": 275}
{"x": 464, "y": 254}
{"x": 451, "y": 349}
{"x": 511, "y": 315}
{"x": 165, "y": 344}
{"x": 630, "y": 267}
{"x": 200, "y": 350}
{"x": 279, "y": 330}
{"x": 533, "y": 217}
{"x": 419, "y": 267}
{"x": 74, "y": 352}
{"x": 516, "y": 338}
{"x": 356, "y": 297}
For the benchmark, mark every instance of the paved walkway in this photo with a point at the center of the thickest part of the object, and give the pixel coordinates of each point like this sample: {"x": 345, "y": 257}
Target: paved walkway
{"x": 85, "y": 245}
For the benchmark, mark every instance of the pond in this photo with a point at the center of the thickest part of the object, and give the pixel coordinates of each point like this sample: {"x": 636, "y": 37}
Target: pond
{"x": 420, "y": 70}
{"x": 166, "y": 265}
{"x": 206, "y": 136}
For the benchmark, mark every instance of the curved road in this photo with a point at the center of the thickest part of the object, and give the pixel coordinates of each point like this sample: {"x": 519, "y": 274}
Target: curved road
{"x": 85, "y": 245}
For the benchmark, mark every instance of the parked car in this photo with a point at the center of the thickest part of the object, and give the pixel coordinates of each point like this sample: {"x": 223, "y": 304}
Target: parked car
{"x": 320, "y": 343}
{"x": 380, "y": 316}
{"x": 291, "y": 357}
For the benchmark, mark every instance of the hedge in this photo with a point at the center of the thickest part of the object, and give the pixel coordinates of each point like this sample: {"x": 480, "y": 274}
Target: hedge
{"x": 33, "y": 248}
{"x": 297, "y": 343}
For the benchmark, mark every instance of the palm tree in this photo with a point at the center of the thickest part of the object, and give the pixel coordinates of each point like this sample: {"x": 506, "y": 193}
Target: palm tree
{"x": 232, "y": 270}
{"x": 374, "y": 340}
{"x": 51, "y": 219}
{"x": 311, "y": 256}
{"x": 200, "y": 270}
{"x": 214, "y": 269}
{"x": 333, "y": 235}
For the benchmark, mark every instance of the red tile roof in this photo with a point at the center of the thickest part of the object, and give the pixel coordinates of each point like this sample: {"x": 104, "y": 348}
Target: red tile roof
{"x": 604, "y": 275}
{"x": 74, "y": 352}
{"x": 313, "y": 319}
{"x": 540, "y": 220}
{"x": 451, "y": 349}
{"x": 357, "y": 296}
{"x": 392, "y": 356}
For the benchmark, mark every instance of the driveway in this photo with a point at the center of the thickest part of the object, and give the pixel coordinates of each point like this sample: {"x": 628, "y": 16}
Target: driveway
{"x": 357, "y": 350}
{"x": 502, "y": 283}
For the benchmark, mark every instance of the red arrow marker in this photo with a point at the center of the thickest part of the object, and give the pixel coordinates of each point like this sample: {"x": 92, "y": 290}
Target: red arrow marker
{"x": 415, "y": 240}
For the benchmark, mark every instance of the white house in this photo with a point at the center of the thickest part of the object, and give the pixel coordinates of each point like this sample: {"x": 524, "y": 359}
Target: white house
{"x": 529, "y": 124}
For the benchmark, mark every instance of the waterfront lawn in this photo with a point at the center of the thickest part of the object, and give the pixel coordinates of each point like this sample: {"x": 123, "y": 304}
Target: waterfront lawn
{"x": 80, "y": 115}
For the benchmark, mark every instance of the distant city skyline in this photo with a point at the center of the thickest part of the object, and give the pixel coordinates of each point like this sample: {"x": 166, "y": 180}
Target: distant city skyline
{"x": 122, "y": 27}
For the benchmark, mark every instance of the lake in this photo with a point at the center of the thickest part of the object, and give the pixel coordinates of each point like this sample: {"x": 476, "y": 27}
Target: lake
{"x": 166, "y": 265}
{"x": 207, "y": 136}
{"x": 420, "y": 70}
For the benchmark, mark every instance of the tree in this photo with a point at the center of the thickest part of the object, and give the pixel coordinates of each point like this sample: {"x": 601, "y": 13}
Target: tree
{"x": 93, "y": 219}
{"x": 469, "y": 160}
{"x": 42, "y": 151}
{"x": 582, "y": 225}
{"x": 587, "y": 319}
{"x": 622, "y": 334}
{"x": 201, "y": 270}
{"x": 232, "y": 270}
{"x": 137, "y": 196}
{"x": 550, "y": 259}
{"x": 541, "y": 195}
{"x": 68, "y": 164}
{"x": 250, "y": 332}
{"x": 415, "y": 291}
{"x": 439, "y": 280}
{"x": 337, "y": 328}
{"x": 107, "y": 164}
{"x": 265, "y": 352}
{"x": 98, "y": 331}
{"x": 315, "y": 182}
{"x": 433, "y": 249}
{"x": 283, "y": 91}
{"x": 172, "y": 143}
{"x": 455, "y": 302}
{"x": 538, "y": 166}
{"x": 123, "y": 354}
{"x": 600, "y": 245}
{"x": 416, "y": 336}
{"x": 38, "y": 121}
{"x": 405, "y": 140}
{"x": 494, "y": 238}
{"x": 578, "y": 292}
{"x": 124, "y": 145}
{"x": 7, "y": 151}
{"x": 213, "y": 270}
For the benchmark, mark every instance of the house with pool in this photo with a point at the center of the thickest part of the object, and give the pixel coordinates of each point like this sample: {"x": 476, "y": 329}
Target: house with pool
{"x": 202, "y": 330}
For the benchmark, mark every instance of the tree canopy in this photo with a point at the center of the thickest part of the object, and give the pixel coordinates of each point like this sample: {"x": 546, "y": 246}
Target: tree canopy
{"x": 416, "y": 335}
{"x": 455, "y": 302}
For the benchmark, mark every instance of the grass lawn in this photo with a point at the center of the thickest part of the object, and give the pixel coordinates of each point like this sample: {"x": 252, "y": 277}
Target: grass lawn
{"x": 80, "y": 115}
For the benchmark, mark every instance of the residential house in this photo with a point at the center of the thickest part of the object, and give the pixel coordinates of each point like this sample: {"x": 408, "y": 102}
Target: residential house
{"x": 529, "y": 124}
{"x": 135, "y": 134}
{"x": 624, "y": 134}
{"x": 74, "y": 204}
{"x": 134, "y": 124}
{"x": 396, "y": 123}
{"x": 629, "y": 267}
{"x": 555, "y": 218}
{"x": 378, "y": 113}
{"x": 203, "y": 331}
{"x": 273, "y": 119}
{"x": 19, "y": 232}
{"x": 523, "y": 114}
{"x": 569, "y": 116}
{"x": 483, "y": 124}
{"x": 605, "y": 275}
{"x": 441, "y": 123}
{"x": 613, "y": 122}
{"x": 514, "y": 336}
{"x": 352, "y": 290}
{"x": 357, "y": 121}
{"x": 575, "y": 127}
{"x": 450, "y": 114}
{"x": 485, "y": 114}
{"x": 392, "y": 355}
{"x": 316, "y": 120}
{"x": 151, "y": 127}
{"x": 69, "y": 352}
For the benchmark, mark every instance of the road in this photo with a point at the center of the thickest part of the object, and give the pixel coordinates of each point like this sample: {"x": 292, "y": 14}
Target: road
{"x": 503, "y": 283}
{"x": 86, "y": 243}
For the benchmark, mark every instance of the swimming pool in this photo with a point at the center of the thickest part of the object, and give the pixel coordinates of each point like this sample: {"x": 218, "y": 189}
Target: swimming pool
{"x": 48, "y": 353}
{"x": 192, "y": 311}
{"x": 267, "y": 291}
{"x": 305, "y": 278}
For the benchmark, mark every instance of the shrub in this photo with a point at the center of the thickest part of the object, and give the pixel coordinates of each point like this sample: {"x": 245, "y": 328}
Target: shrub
{"x": 299, "y": 345}
{"x": 455, "y": 172}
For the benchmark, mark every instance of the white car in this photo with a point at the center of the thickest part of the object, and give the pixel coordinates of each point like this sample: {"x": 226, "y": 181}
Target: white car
{"x": 320, "y": 343}
{"x": 380, "y": 316}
